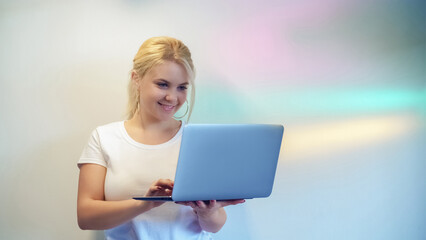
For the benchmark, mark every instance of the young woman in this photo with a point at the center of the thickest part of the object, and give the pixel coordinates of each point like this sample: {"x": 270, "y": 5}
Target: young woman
{"x": 140, "y": 155}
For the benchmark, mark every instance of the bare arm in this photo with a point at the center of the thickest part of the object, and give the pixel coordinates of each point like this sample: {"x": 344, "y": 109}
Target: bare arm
{"x": 93, "y": 212}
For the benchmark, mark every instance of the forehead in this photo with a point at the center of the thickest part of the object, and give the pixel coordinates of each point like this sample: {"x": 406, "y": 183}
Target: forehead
{"x": 170, "y": 71}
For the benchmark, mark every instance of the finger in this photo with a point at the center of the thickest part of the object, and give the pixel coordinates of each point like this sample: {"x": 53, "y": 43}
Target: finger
{"x": 201, "y": 204}
{"x": 151, "y": 191}
{"x": 163, "y": 183}
{"x": 159, "y": 190}
{"x": 154, "y": 189}
{"x": 192, "y": 204}
{"x": 210, "y": 204}
{"x": 166, "y": 183}
{"x": 166, "y": 192}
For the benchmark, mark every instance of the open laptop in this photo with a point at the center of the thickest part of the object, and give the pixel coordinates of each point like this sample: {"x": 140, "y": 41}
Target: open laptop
{"x": 225, "y": 162}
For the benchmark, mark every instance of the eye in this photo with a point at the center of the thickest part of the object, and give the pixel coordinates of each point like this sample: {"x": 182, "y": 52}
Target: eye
{"x": 162, "y": 85}
{"x": 182, "y": 88}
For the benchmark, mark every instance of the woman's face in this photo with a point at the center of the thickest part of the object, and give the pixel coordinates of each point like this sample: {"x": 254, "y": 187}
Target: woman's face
{"x": 163, "y": 90}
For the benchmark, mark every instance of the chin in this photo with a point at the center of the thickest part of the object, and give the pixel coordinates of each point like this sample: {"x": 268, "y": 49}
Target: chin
{"x": 165, "y": 117}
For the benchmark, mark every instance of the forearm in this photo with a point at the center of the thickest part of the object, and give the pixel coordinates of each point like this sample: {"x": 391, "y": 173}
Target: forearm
{"x": 101, "y": 215}
{"x": 212, "y": 222}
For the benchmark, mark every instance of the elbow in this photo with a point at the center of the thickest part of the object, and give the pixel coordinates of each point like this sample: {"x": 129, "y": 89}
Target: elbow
{"x": 84, "y": 220}
{"x": 87, "y": 223}
{"x": 83, "y": 224}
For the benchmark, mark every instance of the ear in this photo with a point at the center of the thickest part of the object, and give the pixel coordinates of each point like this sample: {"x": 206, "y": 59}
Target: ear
{"x": 135, "y": 78}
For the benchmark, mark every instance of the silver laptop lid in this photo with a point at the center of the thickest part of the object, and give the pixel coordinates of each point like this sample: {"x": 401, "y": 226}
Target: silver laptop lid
{"x": 227, "y": 161}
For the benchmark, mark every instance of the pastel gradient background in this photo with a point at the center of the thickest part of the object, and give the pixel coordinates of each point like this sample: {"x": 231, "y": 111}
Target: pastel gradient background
{"x": 345, "y": 78}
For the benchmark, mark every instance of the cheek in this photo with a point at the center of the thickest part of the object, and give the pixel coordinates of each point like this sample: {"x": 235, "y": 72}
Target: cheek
{"x": 183, "y": 96}
{"x": 153, "y": 95}
{"x": 182, "y": 100}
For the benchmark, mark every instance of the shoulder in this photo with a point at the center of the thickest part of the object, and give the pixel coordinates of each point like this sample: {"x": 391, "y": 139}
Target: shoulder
{"x": 110, "y": 126}
{"x": 109, "y": 130}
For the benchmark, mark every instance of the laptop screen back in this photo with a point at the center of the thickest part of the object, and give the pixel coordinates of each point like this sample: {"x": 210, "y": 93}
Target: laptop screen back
{"x": 227, "y": 161}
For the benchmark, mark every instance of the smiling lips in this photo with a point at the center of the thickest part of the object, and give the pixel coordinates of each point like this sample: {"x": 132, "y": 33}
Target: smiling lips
{"x": 167, "y": 108}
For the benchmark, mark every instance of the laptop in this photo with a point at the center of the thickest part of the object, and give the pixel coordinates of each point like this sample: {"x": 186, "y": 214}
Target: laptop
{"x": 225, "y": 162}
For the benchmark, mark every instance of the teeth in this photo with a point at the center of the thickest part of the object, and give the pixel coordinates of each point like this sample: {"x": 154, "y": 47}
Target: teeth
{"x": 167, "y": 107}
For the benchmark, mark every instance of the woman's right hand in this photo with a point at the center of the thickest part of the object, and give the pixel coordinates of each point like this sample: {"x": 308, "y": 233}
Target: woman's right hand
{"x": 94, "y": 212}
{"x": 161, "y": 187}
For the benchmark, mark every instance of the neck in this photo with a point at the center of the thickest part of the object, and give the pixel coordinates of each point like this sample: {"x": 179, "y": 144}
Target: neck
{"x": 148, "y": 123}
{"x": 151, "y": 131}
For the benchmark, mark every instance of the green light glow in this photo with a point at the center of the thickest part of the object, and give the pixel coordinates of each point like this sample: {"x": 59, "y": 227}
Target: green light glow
{"x": 218, "y": 105}
{"x": 224, "y": 105}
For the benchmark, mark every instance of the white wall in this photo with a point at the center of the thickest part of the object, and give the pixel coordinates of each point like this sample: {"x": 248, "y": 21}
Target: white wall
{"x": 346, "y": 79}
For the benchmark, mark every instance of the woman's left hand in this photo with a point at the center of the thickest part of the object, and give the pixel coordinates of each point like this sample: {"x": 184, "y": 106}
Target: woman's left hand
{"x": 206, "y": 208}
{"x": 211, "y": 214}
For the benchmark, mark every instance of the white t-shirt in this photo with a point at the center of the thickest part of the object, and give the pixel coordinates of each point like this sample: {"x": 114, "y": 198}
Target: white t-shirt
{"x": 131, "y": 168}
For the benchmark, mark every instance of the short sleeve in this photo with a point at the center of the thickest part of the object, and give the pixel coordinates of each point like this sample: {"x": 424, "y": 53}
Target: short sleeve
{"x": 93, "y": 153}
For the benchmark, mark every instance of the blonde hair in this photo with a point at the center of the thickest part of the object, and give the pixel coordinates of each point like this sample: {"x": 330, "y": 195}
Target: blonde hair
{"x": 155, "y": 51}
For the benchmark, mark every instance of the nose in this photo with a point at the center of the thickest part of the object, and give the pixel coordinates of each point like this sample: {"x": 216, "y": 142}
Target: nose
{"x": 171, "y": 96}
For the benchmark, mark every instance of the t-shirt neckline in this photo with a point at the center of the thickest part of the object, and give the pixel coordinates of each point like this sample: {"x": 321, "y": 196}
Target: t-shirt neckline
{"x": 147, "y": 146}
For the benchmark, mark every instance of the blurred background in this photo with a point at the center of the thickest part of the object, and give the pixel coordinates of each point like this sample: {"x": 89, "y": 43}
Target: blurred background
{"x": 345, "y": 78}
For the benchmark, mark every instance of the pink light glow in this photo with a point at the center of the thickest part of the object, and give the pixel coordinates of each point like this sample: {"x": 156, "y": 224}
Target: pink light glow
{"x": 295, "y": 41}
